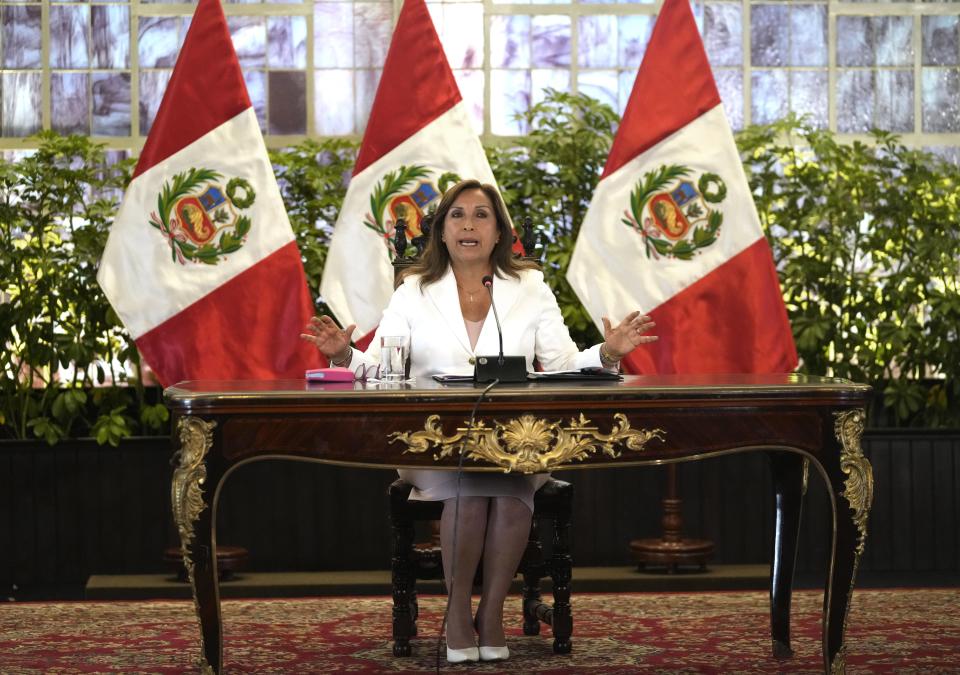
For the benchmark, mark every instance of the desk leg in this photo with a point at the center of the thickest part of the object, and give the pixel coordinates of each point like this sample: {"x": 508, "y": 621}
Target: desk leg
{"x": 789, "y": 473}
{"x": 851, "y": 478}
{"x": 192, "y": 513}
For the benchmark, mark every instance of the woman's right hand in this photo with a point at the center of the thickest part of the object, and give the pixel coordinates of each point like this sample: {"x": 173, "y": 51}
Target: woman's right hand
{"x": 327, "y": 336}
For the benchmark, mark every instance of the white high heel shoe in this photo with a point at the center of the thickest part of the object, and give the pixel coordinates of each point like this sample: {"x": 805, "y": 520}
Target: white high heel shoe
{"x": 494, "y": 653}
{"x": 463, "y": 655}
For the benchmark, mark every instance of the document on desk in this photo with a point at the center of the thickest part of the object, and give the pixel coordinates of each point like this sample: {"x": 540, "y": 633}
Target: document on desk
{"x": 583, "y": 374}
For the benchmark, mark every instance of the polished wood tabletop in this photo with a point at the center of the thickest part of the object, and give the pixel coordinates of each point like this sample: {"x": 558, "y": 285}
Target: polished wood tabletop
{"x": 799, "y": 421}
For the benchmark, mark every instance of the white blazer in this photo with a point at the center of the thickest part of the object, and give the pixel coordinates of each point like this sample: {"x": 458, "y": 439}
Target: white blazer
{"x": 431, "y": 319}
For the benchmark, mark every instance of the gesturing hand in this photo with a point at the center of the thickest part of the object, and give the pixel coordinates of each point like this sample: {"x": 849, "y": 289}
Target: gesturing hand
{"x": 628, "y": 334}
{"x": 323, "y": 332}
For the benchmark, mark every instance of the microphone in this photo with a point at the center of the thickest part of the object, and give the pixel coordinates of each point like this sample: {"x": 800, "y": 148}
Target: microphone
{"x": 500, "y": 367}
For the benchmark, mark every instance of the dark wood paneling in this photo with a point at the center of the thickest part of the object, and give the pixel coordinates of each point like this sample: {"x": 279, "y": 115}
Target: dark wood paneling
{"x": 7, "y": 529}
{"x": 69, "y": 528}
{"x": 900, "y": 483}
{"x": 924, "y": 536}
{"x": 23, "y": 547}
{"x": 945, "y": 490}
{"x": 879, "y": 552}
{"x": 79, "y": 509}
{"x": 45, "y": 503}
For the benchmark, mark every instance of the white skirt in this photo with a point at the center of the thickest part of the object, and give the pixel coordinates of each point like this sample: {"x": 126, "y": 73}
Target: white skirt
{"x": 434, "y": 486}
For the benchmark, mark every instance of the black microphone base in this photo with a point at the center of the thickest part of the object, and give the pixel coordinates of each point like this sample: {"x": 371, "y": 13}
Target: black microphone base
{"x": 503, "y": 368}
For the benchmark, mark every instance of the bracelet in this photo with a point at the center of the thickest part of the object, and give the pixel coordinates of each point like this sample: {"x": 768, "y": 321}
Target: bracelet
{"x": 607, "y": 357}
{"x": 340, "y": 363}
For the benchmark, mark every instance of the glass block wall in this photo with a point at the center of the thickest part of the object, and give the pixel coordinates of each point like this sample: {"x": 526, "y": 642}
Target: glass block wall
{"x": 312, "y": 67}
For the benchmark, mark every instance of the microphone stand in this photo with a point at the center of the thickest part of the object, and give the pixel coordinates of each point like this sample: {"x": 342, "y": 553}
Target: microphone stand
{"x": 500, "y": 367}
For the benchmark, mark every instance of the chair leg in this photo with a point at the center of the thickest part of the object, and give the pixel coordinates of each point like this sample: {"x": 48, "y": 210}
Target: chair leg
{"x": 404, "y": 590}
{"x": 561, "y": 572}
{"x": 532, "y": 571}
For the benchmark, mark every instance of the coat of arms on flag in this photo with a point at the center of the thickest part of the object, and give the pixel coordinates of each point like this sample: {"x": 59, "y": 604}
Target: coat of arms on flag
{"x": 405, "y": 194}
{"x": 675, "y": 217}
{"x": 193, "y": 208}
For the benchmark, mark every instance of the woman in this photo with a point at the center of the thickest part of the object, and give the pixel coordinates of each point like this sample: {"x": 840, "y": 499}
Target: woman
{"x": 443, "y": 308}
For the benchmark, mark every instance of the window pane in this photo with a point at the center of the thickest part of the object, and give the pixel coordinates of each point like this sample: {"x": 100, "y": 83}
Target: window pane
{"x": 152, "y": 85}
{"x": 543, "y": 79}
{"x": 769, "y": 95}
{"x": 634, "y": 34}
{"x": 249, "y": 35}
{"x": 111, "y": 104}
{"x": 509, "y": 95}
{"x": 551, "y": 41}
{"x": 333, "y": 35}
{"x": 333, "y": 112}
{"x": 510, "y": 41}
{"x": 895, "y": 100}
{"x": 20, "y": 38}
{"x": 21, "y": 103}
{"x": 854, "y": 41}
{"x": 941, "y": 100}
{"x": 461, "y": 33}
{"x": 855, "y": 100}
{"x": 808, "y": 39}
{"x": 809, "y": 93}
{"x": 894, "y": 40}
{"x": 373, "y": 28}
{"x": 366, "y": 82}
{"x": 730, "y": 86}
{"x": 159, "y": 41}
{"x": 110, "y": 36}
{"x": 256, "y": 82}
{"x": 597, "y": 42}
{"x": 288, "y": 102}
{"x": 470, "y": 83}
{"x": 941, "y": 40}
{"x": 602, "y": 85}
{"x": 69, "y": 103}
{"x": 287, "y": 41}
{"x": 723, "y": 34}
{"x": 768, "y": 32}
{"x": 68, "y": 36}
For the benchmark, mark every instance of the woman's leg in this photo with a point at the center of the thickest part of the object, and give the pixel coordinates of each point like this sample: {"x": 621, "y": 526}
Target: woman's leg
{"x": 508, "y": 530}
{"x": 470, "y": 535}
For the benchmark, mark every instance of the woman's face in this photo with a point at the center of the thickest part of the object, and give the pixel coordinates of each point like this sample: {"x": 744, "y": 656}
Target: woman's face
{"x": 470, "y": 229}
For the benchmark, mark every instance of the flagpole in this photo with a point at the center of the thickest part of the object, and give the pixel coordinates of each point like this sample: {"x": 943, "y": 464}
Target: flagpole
{"x": 672, "y": 550}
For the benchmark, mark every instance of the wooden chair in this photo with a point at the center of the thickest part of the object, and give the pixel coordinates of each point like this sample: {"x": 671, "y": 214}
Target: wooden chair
{"x": 553, "y": 501}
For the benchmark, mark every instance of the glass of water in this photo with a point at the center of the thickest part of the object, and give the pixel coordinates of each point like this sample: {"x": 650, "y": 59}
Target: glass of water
{"x": 393, "y": 358}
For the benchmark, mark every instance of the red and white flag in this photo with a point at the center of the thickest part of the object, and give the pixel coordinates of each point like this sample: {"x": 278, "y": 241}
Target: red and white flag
{"x": 201, "y": 264}
{"x": 672, "y": 229}
{"x": 418, "y": 140}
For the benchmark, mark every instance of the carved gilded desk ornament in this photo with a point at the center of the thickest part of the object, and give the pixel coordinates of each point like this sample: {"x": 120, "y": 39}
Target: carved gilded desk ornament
{"x": 186, "y": 495}
{"x": 858, "y": 491}
{"x": 528, "y": 444}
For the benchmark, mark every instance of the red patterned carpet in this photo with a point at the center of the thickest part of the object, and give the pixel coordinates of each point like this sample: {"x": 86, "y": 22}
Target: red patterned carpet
{"x": 890, "y": 631}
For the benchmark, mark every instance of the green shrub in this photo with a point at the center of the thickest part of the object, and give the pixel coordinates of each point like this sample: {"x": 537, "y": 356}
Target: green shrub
{"x": 865, "y": 237}
{"x": 56, "y": 207}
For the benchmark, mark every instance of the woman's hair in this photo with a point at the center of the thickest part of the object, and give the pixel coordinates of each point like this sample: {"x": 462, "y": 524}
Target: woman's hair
{"x": 435, "y": 260}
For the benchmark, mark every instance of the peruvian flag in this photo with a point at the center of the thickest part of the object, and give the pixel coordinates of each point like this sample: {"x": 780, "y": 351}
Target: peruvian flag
{"x": 201, "y": 263}
{"x": 672, "y": 229}
{"x": 417, "y": 142}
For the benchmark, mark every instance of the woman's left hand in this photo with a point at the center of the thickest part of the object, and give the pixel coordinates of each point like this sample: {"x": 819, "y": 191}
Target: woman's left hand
{"x": 628, "y": 334}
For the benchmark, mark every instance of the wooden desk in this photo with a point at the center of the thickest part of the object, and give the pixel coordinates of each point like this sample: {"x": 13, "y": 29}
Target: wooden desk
{"x": 799, "y": 421}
